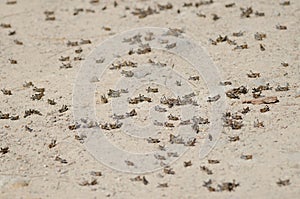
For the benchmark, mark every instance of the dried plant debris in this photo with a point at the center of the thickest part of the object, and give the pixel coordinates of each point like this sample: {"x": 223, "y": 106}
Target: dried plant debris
{"x": 262, "y": 47}
{"x": 153, "y": 140}
{"x": 194, "y": 78}
{"x": 253, "y": 75}
{"x": 281, "y": 27}
{"x": 226, "y": 186}
{"x": 6, "y": 92}
{"x": 13, "y": 61}
{"x": 246, "y": 12}
{"x": 238, "y": 34}
{"x": 169, "y": 170}
{"x": 96, "y": 173}
{"x": 143, "y": 49}
{"x": 140, "y": 98}
{"x": 264, "y": 100}
{"x": 232, "y": 120}
{"x": 10, "y": 33}
{"x": 66, "y": 65}
{"x": 116, "y": 93}
{"x": 31, "y": 112}
{"x": 283, "y": 182}
{"x": 129, "y": 163}
{"x": 120, "y": 65}
{"x": 5, "y": 25}
{"x": 152, "y": 90}
{"x": 259, "y": 36}
{"x": 201, "y": 3}
{"x": 258, "y": 124}
{"x": 63, "y": 109}
{"x": 283, "y": 88}
{"x": 140, "y": 179}
{"x": 142, "y": 13}
{"x": 225, "y": 83}
{"x": 187, "y": 163}
{"x": 61, "y": 160}
{"x": 206, "y": 170}
{"x": 259, "y": 14}
{"x": 265, "y": 109}
{"x": 246, "y": 157}
{"x": 214, "y": 98}
{"x": 49, "y": 15}
{"x": 213, "y": 161}
{"x": 284, "y": 3}
{"x": 229, "y": 5}
{"x": 162, "y": 185}
{"x": 234, "y": 138}
{"x": 87, "y": 183}
{"x": 176, "y": 32}
{"x": 52, "y": 144}
{"x": 215, "y": 17}
{"x": 27, "y": 84}
{"x": 4, "y": 150}
{"x": 111, "y": 126}
{"x": 51, "y": 101}
{"x": 241, "y": 47}
{"x": 236, "y": 92}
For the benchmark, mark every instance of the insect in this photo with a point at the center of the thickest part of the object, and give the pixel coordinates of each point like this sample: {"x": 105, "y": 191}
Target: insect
{"x": 285, "y": 3}
{"x": 159, "y": 109}
{"x": 153, "y": 140}
{"x": 85, "y": 41}
{"x": 131, "y": 113}
{"x": 283, "y": 88}
{"x": 246, "y": 12}
{"x": 242, "y": 46}
{"x": 283, "y": 182}
{"x": 14, "y": 117}
{"x": 170, "y": 46}
{"x": 213, "y": 161}
{"x": 162, "y": 185}
{"x": 215, "y": 17}
{"x": 64, "y": 108}
{"x": 214, "y": 99}
{"x": 61, "y": 160}
{"x": 284, "y": 64}
{"x": 172, "y": 117}
{"x": 235, "y": 92}
{"x": 96, "y": 173}
{"x": 31, "y": 111}
{"x": 159, "y": 157}
{"x": 262, "y": 47}
{"x": 87, "y": 183}
{"x": 144, "y": 48}
{"x": 127, "y": 73}
{"x": 72, "y": 43}
{"x": 52, "y": 144}
{"x": 4, "y": 150}
{"x": 238, "y": 34}
{"x": 5, "y": 25}
{"x": 259, "y": 14}
{"x": 253, "y": 75}
{"x": 258, "y": 124}
{"x": 66, "y": 58}
{"x": 6, "y": 92}
{"x": 142, "y": 179}
{"x": 259, "y": 36}
{"x": 129, "y": 163}
{"x": 78, "y": 50}
{"x": 194, "y": 78}
{"x": 206, "y": 170}
{"x": 4, "y": 115}
{"x": 51, "y": 101}
{"x": 18, "y": 42}
{"x": 169, "y": 170}
{"x": 229, "y": 5}
{"x": 234, "y": 138}
{"x": 66, "y": 65}
{"x": 187, "y": 163}
{"x": 265, "y": 109}
{"x": 281, "y": 27}
{"x": 13, "y": 61}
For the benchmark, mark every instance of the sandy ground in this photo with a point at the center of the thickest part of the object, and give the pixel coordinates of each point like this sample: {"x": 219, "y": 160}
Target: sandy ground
{"x": 29, "y": 168}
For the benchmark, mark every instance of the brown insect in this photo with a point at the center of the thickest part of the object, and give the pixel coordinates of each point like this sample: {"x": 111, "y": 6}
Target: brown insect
{"x": 234, "y": 138}
{"x": 162, "y": 185}
{"x": 61, "y": 160}
{"x": 258, "y": 124}
{"x": 129, "y": 163}
{"x": 235, "y": 92}
{"x": 215, "y": 17}
{"x": 11, "y": 2}
{"x": 238, "y": 34}
{"x": 96, "y": 173}
{"x": 142, "y": 179}
{"x": 229, "y": 5}
{"x": 172, "y": 117}
{"x": 87, "y": 183}
{"x": 51, "y": 101}
{"x": 262, "y": 47}
{"x": 206, "y": 170}
{"x": 187, "y": 163}
{"x": 214, "y": 98}
{"x": 18, "y": 42}
{"x": 242, "y": 46}
{"x": 259, "y": 36}
{"x": 169, "y": 170}
{"x": 281, "y": 27}
{"x": 259, "y": 14}
{"x": 170, "y": 46}
{"x": 6, "y": 92}
{"x": 31, "y": 112}
{"x": 127, "y": 73}
{"x": 66, "y": 65}
{"x": 253, "y": 75}
{"x": 153, "y": 140}
{"x": 265, "y": 109}
{"x": 283, "y": 182}
{"x": 194, "y": 78}
{"x": 13, "y": 61}
{"x": 285, "y": 3}
{"x": 213, "y": 161}
{"x": 4, "y": 115}
{"x": 4, "y": 150}
{"x": 283, "y": 88}
{"x": 246, "y": 12}
{"x": 63, "y": 109}
{"x": 52, "y": 144}
{"x": 5, "y": 25}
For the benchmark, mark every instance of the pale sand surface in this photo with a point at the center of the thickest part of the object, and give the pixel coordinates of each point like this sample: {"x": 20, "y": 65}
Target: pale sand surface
{"x": 29, "y": 169}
